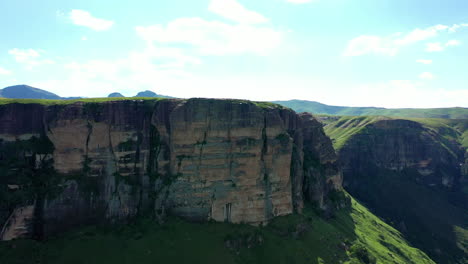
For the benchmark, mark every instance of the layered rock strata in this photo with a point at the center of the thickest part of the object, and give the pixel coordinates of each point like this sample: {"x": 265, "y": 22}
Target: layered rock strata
{"x": 201, "y": 159}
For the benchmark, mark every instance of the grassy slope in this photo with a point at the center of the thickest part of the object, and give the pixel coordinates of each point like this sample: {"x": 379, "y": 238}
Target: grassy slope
{"x": 426, "y": 216}
{"x": 318, "y": 108}
{"x": 178, "y": 241}
{"x": 431, "y": 221}
{"x": 342, "y": 128}
{"x": 4, "y": 101}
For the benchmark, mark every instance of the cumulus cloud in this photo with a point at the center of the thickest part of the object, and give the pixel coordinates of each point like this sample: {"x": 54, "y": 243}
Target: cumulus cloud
{"x": 146, "y": 69}
{"x": 426, "y": 76}
{"x": 172, "y": 50}
{"x": 85, "y": 19}
{"x": 213, "y": 37}
{"x": 452, "y": 42}
{"x": 390, "y": 45}
{"x": 369, "y": 45}
{"x": 434, "y": 47}
{"x": 29, "y": 57}
{"x": 424, "y": 61}
{"x": 233, "y": 10}
{"x": 4, "y": 71}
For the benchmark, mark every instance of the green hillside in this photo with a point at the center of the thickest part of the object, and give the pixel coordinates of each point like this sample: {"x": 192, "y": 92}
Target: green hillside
{"x": 318, "y": 108}
{"x": 342, "y": 128}
{"x": 431, "y": 218}
{"x": 354, "y": 235}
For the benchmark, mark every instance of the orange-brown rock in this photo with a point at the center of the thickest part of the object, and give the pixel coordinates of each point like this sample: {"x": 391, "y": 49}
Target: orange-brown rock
{"x": 202, "y": 159}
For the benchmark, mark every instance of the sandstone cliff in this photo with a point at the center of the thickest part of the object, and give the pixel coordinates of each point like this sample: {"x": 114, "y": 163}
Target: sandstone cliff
{"x": 201, "y": 159}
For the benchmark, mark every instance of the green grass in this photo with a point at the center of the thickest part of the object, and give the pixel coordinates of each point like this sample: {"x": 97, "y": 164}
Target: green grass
{"x": 4, "y": 101}
{"x": 341, "y": 129}
{"x": 432, "y": 219}
{"x": 318, "y": 108}
{"x": 428, "y": 216}
{"x": 178, "y": 241}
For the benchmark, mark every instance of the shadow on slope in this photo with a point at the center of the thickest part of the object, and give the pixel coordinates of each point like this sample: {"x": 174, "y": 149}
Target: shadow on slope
{"x": 427, "y": 216}
{"x": 354, "y": 235}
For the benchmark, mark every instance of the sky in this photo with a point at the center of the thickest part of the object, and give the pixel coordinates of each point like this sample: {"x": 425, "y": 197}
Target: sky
{"x": 384, "y": 53}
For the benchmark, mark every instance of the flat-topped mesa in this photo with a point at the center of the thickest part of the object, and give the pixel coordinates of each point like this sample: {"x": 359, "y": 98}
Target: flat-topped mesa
{"x": 201, "y": 159}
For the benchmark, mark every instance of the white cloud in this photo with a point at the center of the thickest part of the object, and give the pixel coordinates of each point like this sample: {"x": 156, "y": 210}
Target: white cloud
{"x": 390, "y": 45}
{"x": 426, "y": 76}
{"x": 4, "y": 71}
{"x": 84, "y": 38}
{"x": 434, "y": 47}
{"x": 85, "y": 19}
{"x": 147, "y": 69}
{"x": 369, "y": 45}
{"x": 213, "y": 37}
{"x": 424, "y": 61}
{"x": 420, "y": 35}
{"x": 29, "y": 57}
{"x": 437, "y": 46}
{"x": 452, "y": 42}
{"x": 233, "y": 10}
{"x": 299, "y": 1}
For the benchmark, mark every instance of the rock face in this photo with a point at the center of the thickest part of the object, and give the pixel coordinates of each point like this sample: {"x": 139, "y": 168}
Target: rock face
{"x": 403, "y": 145}
{"x": 201, "y": 159}
{"x": 411, "y": 174}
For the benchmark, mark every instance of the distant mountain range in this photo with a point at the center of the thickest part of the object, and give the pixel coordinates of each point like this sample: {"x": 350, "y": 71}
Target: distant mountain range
{"x": 114, "y": 95}
{"x": 319, "y": 108}
{"x": 28, "y": 92}
{"x": 146, "y": 93}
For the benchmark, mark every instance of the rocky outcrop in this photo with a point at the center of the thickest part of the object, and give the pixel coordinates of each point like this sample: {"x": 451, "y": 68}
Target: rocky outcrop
{"x": 200, "y": 159}
{"x": 403, "y": 145}
{"x": 411, "y": 174}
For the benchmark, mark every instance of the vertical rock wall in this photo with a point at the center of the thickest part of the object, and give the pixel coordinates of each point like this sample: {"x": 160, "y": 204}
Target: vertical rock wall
{"x": 201, "y": 159}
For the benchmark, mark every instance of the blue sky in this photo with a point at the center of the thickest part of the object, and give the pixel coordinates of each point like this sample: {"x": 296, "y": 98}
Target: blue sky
{"x": 390, "y": 53}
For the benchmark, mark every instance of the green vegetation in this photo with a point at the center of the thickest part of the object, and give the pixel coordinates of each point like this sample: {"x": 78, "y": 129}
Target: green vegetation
{"x": 340, "y": 129}
{"x": 353, "y": 236}
{"x": 4, "y": 101}
{"x": 427, "y": 217}
{"x": 431, "y": 218}
{"x": 318, "y": 108}
{"x": 28, "y": 165}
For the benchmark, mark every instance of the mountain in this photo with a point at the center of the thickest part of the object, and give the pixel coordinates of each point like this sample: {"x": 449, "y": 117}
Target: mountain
{"x": 147, "y": 158}
{"x": 26, "y": 92}
{"x": 319, "y": 108}
{"x": 413, "y": 174}
{"x": 148, "y": 93}
{"x": 113, "y": 95}
{"x": 148, "y": 179}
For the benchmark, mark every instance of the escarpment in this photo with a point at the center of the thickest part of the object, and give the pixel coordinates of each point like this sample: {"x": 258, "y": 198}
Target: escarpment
{"x": 225, "y": 160}
{"x": 412, "y": 175}
{"x": 403, "y": 146}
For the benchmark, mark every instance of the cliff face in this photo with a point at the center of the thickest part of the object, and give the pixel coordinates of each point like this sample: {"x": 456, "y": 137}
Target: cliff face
{"x": 225, "y": 160}
{"x": 411, "y": 174}
{"x": 403, "y": 145}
